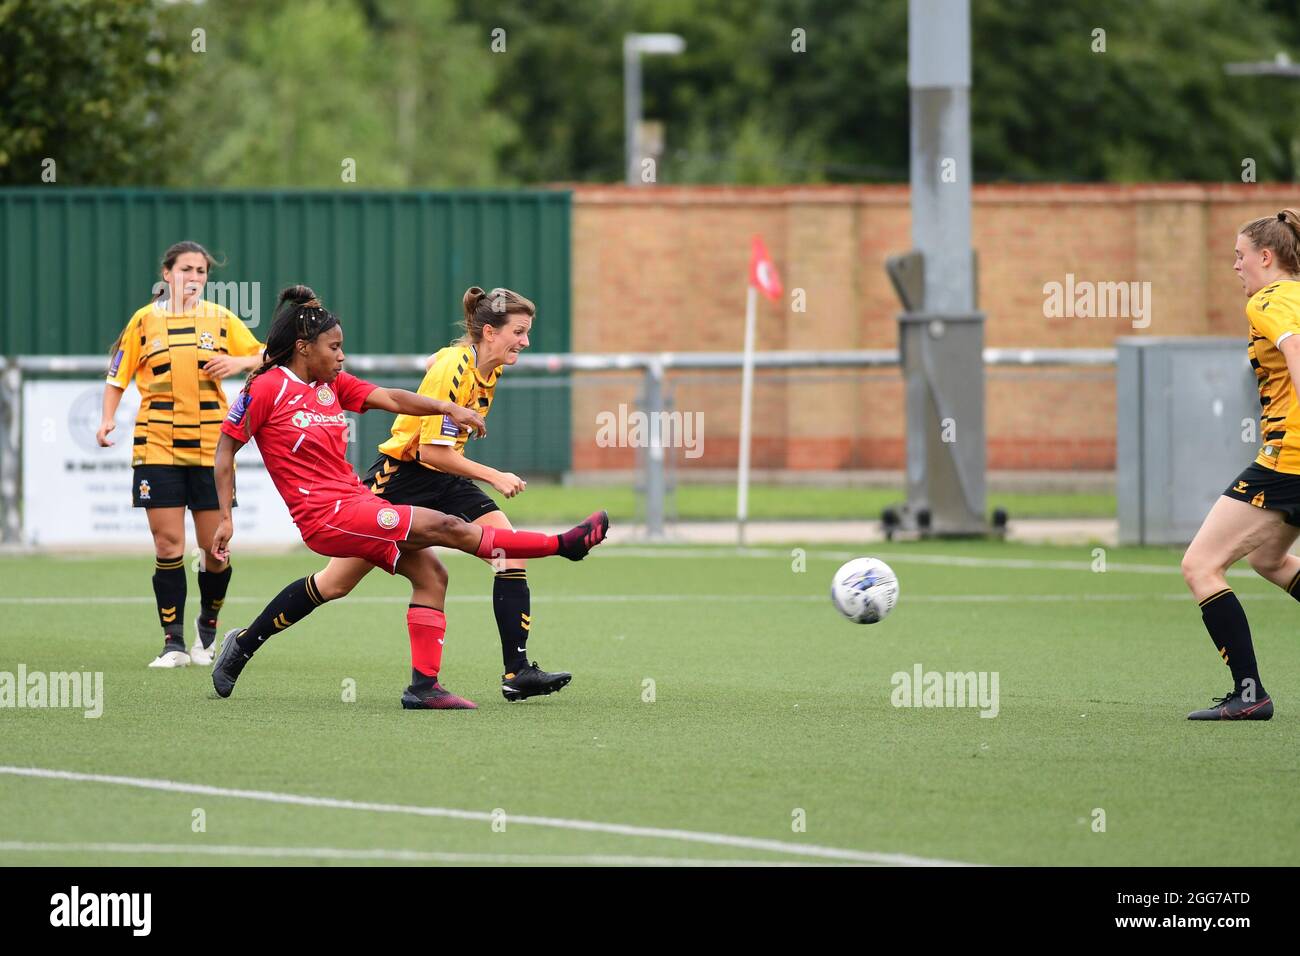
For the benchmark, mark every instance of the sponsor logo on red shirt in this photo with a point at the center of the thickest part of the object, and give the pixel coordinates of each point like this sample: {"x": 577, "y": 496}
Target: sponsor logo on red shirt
{"x": 305, "y": 419}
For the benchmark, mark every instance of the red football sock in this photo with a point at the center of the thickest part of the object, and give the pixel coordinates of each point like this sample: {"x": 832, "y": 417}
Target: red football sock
{"x": 516, "y": 544}
{"x": 427, "y": 626}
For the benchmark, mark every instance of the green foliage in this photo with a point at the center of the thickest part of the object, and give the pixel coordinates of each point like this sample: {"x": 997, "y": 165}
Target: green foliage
{"x": 290, "y": 92}
{"x": 1155, "y": 105}
{"x": 740, "y": 105}
{"x": 414, "y": 93}
{"x": 82, "y": 82}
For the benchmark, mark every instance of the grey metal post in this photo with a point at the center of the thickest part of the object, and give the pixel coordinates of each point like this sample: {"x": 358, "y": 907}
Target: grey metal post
{"x": 941, "y": 337}
{"x": 631, "y": 107}
{"x": 938, "y": 74}
{"x": 11, "y": 386}
{"x": 635, "y": 44}
{"x": 654, "y": 454}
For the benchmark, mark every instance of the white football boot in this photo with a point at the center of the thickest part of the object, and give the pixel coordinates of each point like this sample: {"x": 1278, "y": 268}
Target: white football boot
{"x": 199, "y": 654}
{"x": 171, "y": 657}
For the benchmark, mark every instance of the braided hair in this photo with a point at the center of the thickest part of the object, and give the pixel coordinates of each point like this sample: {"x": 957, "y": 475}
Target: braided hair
{"x": 298, "y": 315}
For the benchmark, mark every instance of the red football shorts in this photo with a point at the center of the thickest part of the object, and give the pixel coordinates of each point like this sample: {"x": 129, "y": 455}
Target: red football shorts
{"x": 364, "y": 526}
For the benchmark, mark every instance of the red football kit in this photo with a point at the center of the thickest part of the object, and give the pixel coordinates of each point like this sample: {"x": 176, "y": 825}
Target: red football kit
{"x": 301, "y": 432}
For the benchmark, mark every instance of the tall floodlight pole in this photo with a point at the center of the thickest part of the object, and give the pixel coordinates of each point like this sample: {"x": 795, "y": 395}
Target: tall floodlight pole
{"x": 941, "y": 335}
{"x": 634, "y": 44}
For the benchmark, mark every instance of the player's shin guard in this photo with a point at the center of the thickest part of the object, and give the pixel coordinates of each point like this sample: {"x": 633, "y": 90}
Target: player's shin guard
{"x": 499, "y": 542}
{"x": 169, "y": 591}
{"x": 287, "y": 608}
{"x": 212, "y": 594}
{"x": 427, "y": 626}
{"x": 511, "y": 603}
{"x": 1226, "y": 621}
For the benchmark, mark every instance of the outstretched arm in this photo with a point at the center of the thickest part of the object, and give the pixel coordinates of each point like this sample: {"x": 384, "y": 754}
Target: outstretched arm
{"x": 402, "y": 402}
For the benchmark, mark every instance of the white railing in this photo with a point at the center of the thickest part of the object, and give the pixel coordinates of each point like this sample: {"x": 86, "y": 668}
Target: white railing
{"x": 654, "y": 366}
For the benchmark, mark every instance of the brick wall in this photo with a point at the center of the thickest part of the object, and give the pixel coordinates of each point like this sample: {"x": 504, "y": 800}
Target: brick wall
{"x": 664, "y": 269}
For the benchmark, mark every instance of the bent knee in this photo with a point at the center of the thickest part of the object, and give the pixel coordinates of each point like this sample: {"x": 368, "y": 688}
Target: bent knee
{"x": 1196, "y": 567}
{"x": 439, "y": 526}
{"x": 438, "y": 574}
{"x": 168, "y": 546}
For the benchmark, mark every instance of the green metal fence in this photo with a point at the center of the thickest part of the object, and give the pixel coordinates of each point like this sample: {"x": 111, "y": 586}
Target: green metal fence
{"x": 75, "y": 263}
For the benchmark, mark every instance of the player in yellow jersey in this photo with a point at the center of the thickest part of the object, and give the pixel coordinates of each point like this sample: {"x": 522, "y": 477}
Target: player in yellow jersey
{"x": 177, "y": 349}
{"x": 1258, "y": 516}
{"x": 424, "y": 464}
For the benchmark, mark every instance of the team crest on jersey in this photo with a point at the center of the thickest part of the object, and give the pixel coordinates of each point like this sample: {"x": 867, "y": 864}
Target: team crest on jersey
{"x": 324, "y": 396}
{"x": 387, "y": 518}
{"x": 206, "y": 341}
{"x": 144, "y": 491}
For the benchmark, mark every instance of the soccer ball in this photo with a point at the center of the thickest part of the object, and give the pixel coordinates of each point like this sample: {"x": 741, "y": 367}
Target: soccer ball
{"x": 865, "y": 590}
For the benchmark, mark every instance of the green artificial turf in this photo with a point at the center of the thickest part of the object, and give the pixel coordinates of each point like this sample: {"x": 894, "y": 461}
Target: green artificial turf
{"x": 766, "y": 703}
{"x": 556, "y": 503}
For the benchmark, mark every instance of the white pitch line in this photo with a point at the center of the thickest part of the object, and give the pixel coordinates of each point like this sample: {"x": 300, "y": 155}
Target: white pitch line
{"x": 397, "y": 856}
{"x": 679, "y": 598}
{"x": 479, "y": 816}
{"x": 899, "y": 557}
{"x": 687, "y": 552}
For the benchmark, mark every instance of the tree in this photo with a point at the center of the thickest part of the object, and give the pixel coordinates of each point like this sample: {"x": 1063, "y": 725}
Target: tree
{"x": 82, "y": 83}
{"x": 743, "y": 105}
{"x": 313, "y": 93}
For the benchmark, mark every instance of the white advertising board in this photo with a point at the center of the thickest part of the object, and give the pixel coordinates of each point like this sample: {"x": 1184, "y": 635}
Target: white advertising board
{"x": 75, "y": 493}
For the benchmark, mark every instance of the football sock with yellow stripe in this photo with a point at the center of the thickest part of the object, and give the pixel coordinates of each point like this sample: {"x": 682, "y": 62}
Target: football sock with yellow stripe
{"x": 169, "y": 591}
{"x": 1226, "y": 621}
{"x": 212, "y": 594}
{"x": 287, "y": 608}
{"x": 513, "y": 608}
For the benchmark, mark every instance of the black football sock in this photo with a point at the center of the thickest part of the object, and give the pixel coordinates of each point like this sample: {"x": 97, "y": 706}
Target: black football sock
{"x": 421, "y": 682}
{"x": 287, "y": 608}
{"x": 169, "y": 591}
{"x": 511, "y": 603}
{"x": 1226, "y": 621}
{"x": 212, "y": 594}
{"x": 1293, "y": 588}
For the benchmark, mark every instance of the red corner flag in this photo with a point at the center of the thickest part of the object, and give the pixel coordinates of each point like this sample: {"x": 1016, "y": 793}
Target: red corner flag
{"x": 762, "y": 272}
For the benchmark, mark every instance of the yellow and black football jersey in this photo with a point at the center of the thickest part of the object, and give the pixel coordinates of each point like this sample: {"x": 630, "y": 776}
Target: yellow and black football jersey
{"x": 181, "y": 409}
{"x": 453, "y": 377}
{"x": 1274, "y": 315}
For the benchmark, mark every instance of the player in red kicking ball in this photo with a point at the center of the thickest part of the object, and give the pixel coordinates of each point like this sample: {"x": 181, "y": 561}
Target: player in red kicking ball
{"x": 293, "y": 405}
